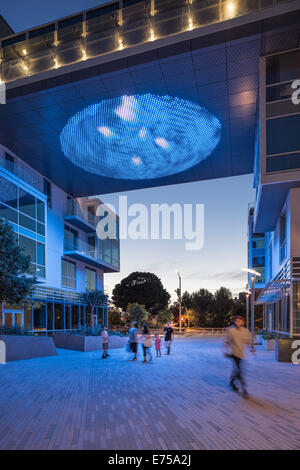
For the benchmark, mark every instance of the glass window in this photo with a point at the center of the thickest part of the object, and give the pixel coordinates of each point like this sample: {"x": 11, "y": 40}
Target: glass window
{"x": 29, "y": 247}
{"x": 68, "y": 274}
{"x": 8, "y": 213}
{"x": 90, "y": 279}
{"x": 27, "y": 222}
{"x": 40, "y": 253}
{"x": 71, "y": 238}
{"x": 58, "y": 316}
{"x": 283, "y": 67}
{"x": 8, "y": 193}
{"x": 27, "y": 203}
{"x": 40, "y": 211}
{"x": 75, "y": 316}
{"x": 283, "y": 134}
{"x": 40, "y": 229}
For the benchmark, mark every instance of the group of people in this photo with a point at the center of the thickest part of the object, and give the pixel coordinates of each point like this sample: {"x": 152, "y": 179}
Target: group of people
{"x": 237, "y": 338}
{"x": 147, "y": 341}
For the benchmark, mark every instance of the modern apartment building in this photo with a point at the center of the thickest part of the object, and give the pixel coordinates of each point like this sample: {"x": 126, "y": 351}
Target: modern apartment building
{"x": 277, "y": 182}
{"x": 134, "y": 94}
{"x": 58, "y": 232}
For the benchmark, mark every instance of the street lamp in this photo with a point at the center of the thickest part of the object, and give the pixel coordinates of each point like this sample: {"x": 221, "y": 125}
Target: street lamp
{"x": 247, "y": 292}
{"x": 179, "y": 297}
{"x": 253, "y": 277}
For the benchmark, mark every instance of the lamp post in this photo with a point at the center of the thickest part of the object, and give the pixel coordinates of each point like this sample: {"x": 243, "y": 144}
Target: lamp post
{"x": 179, "y": 297}
{"x": 247, "y": 292}
{"x": 253, "y": 278}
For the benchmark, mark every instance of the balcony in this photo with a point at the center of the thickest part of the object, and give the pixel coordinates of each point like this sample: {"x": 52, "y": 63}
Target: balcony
{"x": 79, "y": 216}
{"x": 108, "y": 29}
{"x": 82, "y": 251}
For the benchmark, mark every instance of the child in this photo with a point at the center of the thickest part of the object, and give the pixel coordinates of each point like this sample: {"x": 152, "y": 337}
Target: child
{"x": 157, "y": 344}
{"x": 104, "y": 334}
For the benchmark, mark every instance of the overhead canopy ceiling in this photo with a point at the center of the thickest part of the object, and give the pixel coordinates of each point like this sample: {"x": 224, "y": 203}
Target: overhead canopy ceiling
{"x": 217, "y": 70}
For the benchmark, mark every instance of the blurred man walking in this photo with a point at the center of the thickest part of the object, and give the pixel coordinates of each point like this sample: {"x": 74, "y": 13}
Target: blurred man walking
{"x": 236, "y": 339}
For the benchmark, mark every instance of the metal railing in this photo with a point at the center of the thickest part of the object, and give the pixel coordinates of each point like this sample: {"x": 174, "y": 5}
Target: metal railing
{"x": 22, "y": 171}
{"x": 73, "y": 208}
{"x": 110, "y": 28}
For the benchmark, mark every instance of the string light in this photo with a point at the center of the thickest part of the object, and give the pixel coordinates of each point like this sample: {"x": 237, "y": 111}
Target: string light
{"x": 24, "y": 51}
{"x": 140, "y": 136}
{"x": 84, "y": 56}
{"x": 56, "y": 64}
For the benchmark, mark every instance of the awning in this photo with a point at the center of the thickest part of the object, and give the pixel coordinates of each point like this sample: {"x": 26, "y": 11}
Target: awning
{"x": 274, "y": 291}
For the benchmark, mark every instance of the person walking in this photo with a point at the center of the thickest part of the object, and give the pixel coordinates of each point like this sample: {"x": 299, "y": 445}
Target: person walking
{"x": 147, "y": 343}
{"x": 237, "y": 337}
{"x": 133, "y": 339}
{"x": 157, "y": 345}
{"x": 105, "y": 340}
{"x": 168, "y": 332}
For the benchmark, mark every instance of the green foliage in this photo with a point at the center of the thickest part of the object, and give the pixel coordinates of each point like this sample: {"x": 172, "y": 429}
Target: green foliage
{"x": 268, "y": 335}
{"x": 15, "y": 278}
{"x": 164, "y": 316}
{"x": 114, "y": 317}
{"x": 136, "y": 312}
{"x": 93, "y": 299}
{"x": 142, "y": 288}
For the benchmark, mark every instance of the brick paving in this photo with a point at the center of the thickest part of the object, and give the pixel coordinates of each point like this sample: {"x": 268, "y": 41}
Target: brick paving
{"x": 181, "y": 401}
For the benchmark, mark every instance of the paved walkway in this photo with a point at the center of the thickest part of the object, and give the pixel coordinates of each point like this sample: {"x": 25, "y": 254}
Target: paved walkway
{"x": 78, "y": 401}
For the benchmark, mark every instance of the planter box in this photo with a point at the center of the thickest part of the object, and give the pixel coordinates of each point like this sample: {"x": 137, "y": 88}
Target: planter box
{"x": 284, "y": 350}
{"x": 86, "y": 343}
{"x": 28, "y": 347}
{"x": 268, "y": 344}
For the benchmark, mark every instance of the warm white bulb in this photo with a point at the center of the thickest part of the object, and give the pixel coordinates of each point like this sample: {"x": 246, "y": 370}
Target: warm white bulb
{"x": 152, "y": 35}
{"x": 24, "y": 51}
{"x": 191, "y": 24}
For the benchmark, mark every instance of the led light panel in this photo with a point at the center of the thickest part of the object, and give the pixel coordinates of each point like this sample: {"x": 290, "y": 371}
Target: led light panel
{"x": 140, "y": 136}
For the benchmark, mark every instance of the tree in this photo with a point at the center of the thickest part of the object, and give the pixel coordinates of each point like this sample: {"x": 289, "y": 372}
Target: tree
{"x": 202, "y": 302}
{"x": 143, "y": 288}
{"x": 164, "y": 316}
{"x": 136, "y": 312}
{"x": 93, "y": 299}
{"x": 114, "y": 317}
{"x": 223, "y": 305}
{"x": 15, "y": 267}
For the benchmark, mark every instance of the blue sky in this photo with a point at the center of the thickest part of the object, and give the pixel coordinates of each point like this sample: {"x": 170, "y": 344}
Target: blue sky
{"x": 224, "y": 253}
{"x": 225, "y": 200}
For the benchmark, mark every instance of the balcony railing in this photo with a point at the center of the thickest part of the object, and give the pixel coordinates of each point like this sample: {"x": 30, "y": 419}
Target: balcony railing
{"x": 107, "y": 29}
{"x": 81, "y": 250}
{"x": 20, "y": 170}
{"x": 79, "y": 215}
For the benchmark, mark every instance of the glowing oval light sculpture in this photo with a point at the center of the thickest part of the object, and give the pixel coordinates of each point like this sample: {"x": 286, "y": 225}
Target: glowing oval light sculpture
{"x": 140, "y": 137}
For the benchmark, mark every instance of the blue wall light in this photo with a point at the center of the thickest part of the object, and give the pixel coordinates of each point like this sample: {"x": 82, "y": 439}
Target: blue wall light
{"x": 140, "y": 136}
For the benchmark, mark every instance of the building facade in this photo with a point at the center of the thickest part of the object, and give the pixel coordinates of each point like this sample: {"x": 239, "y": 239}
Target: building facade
{"x": 58, "y": 232}
{"x": 276, "y": 217}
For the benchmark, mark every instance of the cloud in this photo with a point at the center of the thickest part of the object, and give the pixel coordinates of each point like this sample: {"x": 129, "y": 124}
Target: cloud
{"x": 219, "y": 276}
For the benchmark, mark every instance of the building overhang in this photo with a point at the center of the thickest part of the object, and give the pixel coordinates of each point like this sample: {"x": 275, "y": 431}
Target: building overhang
{"x": 274, "y": 291}
{"x": 215, "y": 66}
{"x": 270, "y": 201}
{"x": 96, "y": 263}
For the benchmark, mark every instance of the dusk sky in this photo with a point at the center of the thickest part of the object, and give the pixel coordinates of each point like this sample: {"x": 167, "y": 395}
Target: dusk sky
{"x": 225, "y": 202}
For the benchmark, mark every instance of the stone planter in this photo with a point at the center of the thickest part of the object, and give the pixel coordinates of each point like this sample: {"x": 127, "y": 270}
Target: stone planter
{"x": 284, "y": 350}
{"x": 28, "y": 347}
{"x": 87, "y": 343}
{"x": 268, "y": 344}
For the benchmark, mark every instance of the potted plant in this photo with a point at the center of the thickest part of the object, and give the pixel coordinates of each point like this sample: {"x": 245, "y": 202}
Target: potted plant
{"x": 268, "y": 341}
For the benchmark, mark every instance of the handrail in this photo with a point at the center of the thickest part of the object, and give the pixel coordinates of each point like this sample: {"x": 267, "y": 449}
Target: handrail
{"x": 61, "y": 43}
